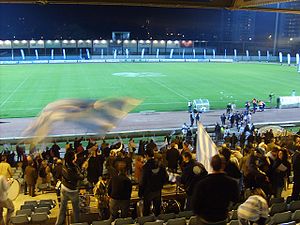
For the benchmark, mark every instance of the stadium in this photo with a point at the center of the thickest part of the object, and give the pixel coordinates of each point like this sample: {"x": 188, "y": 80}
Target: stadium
{"x": 113, "y": 105}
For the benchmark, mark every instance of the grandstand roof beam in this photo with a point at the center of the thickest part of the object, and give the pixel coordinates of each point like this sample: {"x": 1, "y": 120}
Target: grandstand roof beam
{"x": 227, "y": 4}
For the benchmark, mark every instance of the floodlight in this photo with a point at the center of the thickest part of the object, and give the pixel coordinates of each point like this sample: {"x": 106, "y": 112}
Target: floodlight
{"x": 88, "y": 41}
{"x": 56, "y": 41}
{"x": 169, "y": 42}
{"x": 65, "y": 41}
{"x": 7, "y": 42}
{"x": 73, "y": 41}
{"x": 126, "y": 42}
{"x": 24, "y": 42}
{"x": 119, "y": 41}
{"x": 155, "y": 42}
{"x": 104, "y": 41}
{"x": 96, "y": 41}
{"x": 31, "y": 42}
{"x": 176, "y": 42}
{"x": 16, "y": 41}
{"x": 40, "y": 42}
{"x": 148, "y": 41}
{"x": 291, "y": 39}
{"x": 133, "y": 41}
{"x": 49, "y": 41}
{"x": 80, "y": 41}
{"x": 1, "y": 42}
{"x": 162, "y": 41}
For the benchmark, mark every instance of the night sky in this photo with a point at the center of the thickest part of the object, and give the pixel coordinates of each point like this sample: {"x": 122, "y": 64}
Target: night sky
{"x": 20, "y": 21}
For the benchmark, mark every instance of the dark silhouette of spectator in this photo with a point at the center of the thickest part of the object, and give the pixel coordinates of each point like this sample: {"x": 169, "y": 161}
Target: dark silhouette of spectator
{"x": 172, "y": 156}
{"x": 154, "y": 176}
{"x": 191, "y": 174}
{"x": 119, "y": 189}
{"x": 214, "y": 193}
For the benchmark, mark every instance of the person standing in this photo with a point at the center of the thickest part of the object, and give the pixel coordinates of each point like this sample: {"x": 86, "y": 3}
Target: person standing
{"x": 5, "y": 202}
{"x": 192, "y": 119}
{"x": 223, "y": 119}
{"x": 139, "y": 163}
{"x": 154, "y": 176}
{"x": 30, "y": 177}
{"x": 119, "y": 189}
{"x": 280, "y": 171}
{"x": 5, "y": 168}
{"x": 95, "y": 165}
{"x": 214, "y": 193}
{"x": 69, "y": 188}
{"x": 296, "y": 169}
{"x": 172, "y": 157}
{"x": 191, "y": 174}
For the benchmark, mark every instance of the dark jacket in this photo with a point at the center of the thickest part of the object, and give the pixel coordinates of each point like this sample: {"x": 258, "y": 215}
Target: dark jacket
{"x": 278, "y": 175}
{"x": 154, "y": 176}
{"x": 71, "y": 176}
{"x": 95, "y": 168}
{"x": 57, "y": 172}
{"x": 172, "y": 156}
{"x": 120, "y": 187}
{"x": 212, "y": 197}
{"x": 191, "y": 174}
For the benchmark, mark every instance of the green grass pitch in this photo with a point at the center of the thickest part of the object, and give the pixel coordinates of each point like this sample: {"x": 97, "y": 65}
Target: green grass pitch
{"x": 26, "y": 89}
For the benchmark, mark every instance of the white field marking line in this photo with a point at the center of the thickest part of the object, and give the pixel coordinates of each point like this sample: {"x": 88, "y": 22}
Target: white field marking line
{"x": 6, "y": 100}
{"x": 170, "y": 89}
{"x": 76, "y": 89}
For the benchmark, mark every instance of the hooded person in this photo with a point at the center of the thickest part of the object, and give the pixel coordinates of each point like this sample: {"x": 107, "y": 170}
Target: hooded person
{"x": 153, "y": 177}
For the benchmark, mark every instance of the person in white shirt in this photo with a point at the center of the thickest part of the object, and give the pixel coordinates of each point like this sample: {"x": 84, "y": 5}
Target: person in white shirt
{"x": 5, "y": 202}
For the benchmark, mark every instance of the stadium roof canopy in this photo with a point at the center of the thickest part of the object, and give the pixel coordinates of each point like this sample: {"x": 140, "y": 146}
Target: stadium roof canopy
{"x": 258, "y": 5}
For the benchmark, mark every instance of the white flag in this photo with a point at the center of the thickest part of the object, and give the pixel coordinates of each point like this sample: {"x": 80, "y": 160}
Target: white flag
{"x": 205, "y": 148}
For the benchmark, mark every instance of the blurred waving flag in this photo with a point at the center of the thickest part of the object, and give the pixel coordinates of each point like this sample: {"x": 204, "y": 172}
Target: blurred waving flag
{"x": 205, "y": 147}
{"x": 98, "y": 116}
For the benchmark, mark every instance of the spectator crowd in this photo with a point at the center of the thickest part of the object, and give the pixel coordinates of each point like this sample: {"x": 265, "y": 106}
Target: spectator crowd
{"x": 250, "y": 166}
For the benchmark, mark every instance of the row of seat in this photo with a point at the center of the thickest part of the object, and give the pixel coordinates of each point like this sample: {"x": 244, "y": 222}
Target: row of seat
{"x": 287, "y": 218}
{"x": 33, "y": 212}
{"x": 283, "y": 206}
{"x": 281, "y": 199}
{"x": 37, "y": 204}
{"x": 150, "y": 220}
{"x": 275, "y": 208}
{"x": 33, "y": 218}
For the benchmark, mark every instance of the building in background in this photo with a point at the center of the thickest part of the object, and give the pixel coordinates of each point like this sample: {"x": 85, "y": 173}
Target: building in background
{"x": 289, "y": 25}
{"x": 237, "y": 25}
